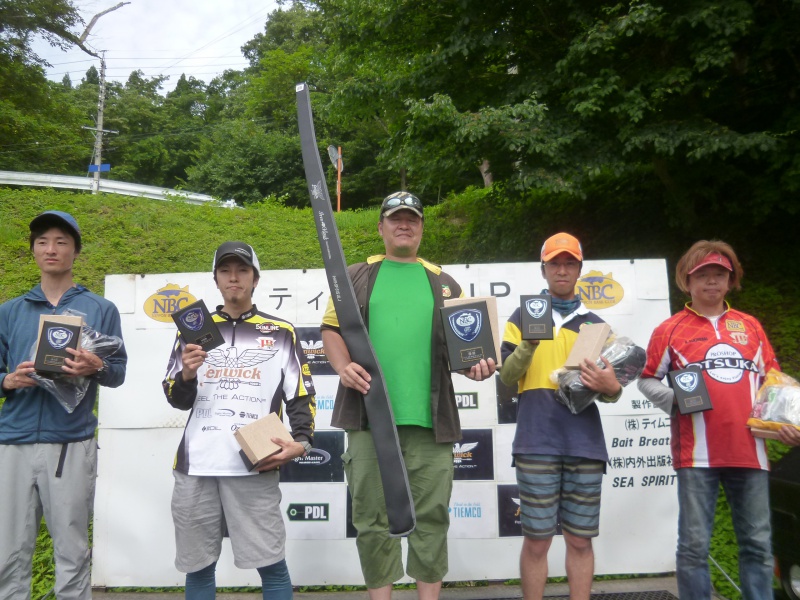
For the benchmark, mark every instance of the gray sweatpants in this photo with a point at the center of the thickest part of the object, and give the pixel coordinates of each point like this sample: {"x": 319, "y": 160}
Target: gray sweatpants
{"x": 29, "y": 488}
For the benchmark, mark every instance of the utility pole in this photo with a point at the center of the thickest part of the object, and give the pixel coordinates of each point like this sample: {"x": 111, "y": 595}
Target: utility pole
{"x": 98, "y": 129}
{"x": 98, "y": 136}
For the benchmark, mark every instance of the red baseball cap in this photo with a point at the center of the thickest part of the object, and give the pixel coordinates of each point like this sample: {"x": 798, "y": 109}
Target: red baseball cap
{"x": 715, "y": 258}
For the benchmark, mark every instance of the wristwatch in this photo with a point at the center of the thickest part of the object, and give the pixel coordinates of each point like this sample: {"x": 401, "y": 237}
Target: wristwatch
{"x": 103, "y": 369}
{"x": 306, "y": 446}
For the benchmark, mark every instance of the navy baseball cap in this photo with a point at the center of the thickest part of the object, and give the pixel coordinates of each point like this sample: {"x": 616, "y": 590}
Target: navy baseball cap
{"x": 61, "y": 219}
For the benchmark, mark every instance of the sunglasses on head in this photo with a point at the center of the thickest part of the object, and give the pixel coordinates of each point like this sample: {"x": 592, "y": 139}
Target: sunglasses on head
{"x": 412, "y": 201}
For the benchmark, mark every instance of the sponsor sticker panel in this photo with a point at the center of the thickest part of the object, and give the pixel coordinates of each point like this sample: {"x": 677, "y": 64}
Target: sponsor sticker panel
{"x": 473, "y": 456}
{"x": 509, "y": 512}
{"x": 475, "y": 401}
{"x": 311, "y": 342}
{"x": 314, "y": 511}
{"x": 322, "y": 464}
{"x": 472, "y": 510}
{"x": 326, "y": 386}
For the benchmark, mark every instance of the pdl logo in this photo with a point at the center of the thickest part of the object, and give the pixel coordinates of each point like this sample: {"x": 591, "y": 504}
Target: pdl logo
{"x": 467, "y": 400}
{"x": 688, "y": 381}
{"x": 536, "y": 307}
{"x": 58, "y": 337}
{"x": 308, "y": 512}
{"x": 167, "y": 300}
{"x": 466, "y": 324}
{"x": 193, "y": 319}
{"x": 599, "y": 291}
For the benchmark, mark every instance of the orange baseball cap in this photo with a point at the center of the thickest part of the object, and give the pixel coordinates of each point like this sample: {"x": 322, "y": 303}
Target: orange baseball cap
{"x": 561, "y": 242}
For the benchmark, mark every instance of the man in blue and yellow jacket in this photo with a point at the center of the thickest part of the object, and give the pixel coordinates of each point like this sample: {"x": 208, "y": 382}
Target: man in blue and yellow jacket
{"x": 560, "y": 457}
{"x": 48, "y": 456}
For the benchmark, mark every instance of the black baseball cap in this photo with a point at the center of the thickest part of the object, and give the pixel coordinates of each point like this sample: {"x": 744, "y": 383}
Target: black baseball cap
{"x": 401, "y": 201}
{"x": 60, "y": 219}
{"x": 244, "y": 252}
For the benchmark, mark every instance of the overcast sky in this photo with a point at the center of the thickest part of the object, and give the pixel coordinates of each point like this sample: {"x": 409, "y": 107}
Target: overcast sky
{"x": 201, "y": 38}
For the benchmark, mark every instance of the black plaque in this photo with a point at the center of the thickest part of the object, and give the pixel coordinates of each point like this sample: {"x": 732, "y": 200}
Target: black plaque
{"x": 54, "y": 340}
{"x": 468, "y": 333}
{"x": 690, "y": 390}
{"x": 197, "y": 327}
{"x": 536, "y": 317}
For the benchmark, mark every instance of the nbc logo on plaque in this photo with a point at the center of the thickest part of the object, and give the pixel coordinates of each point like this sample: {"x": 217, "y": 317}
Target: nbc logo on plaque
{"x": 193, "y": 319}
{"x": 59, "y": 337}
{"x": 466, "y": 324}
{"x": 687, "y": 381}
{"x": 197, "y": 327}
{"x": 536, "y": 307}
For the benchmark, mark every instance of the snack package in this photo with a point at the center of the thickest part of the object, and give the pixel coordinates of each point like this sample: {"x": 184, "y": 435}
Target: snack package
{"x": 628, "y": 361}
{"x": 777, "y": 403}
{"x": 69, "y": 390}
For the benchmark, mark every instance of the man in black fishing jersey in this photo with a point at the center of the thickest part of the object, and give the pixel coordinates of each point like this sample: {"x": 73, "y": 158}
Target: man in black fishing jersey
{"x": 260, "y": 369}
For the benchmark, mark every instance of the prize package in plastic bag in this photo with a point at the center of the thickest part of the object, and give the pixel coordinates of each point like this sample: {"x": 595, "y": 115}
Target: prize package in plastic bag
{"x": 625, "y": 357}
{"x": 69, "y": 390}
{"x": 777, "y": 403}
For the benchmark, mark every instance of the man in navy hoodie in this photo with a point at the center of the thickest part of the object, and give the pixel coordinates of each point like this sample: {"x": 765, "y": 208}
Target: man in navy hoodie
{"x": 48, "y": 457}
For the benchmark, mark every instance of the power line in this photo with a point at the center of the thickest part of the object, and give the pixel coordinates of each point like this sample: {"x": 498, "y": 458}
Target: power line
{"x": 235, "y": 29}
{"x": 92, "y": 60}
{"x": 128, "y": 69}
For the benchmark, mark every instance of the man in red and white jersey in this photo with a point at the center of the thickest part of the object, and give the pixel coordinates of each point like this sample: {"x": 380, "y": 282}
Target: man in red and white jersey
{"x": 715, "y": 446}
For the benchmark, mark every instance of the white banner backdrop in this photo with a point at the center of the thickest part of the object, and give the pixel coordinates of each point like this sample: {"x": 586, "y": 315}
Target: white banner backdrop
{"x": 139, "y": 434}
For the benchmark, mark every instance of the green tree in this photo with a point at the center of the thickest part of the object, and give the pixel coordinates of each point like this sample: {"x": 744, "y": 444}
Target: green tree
{"x": 138, "y": 153}
{"x": 92, "y": 77}
{"x": 39, "y": 126}
{"x": 689, "y": 102}
{"x": 21, "y": 20}
{"x": 254, "y": 151}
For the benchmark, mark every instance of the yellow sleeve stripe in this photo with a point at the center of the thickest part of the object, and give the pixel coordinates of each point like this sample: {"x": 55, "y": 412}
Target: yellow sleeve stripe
{"x": 512, "y": 334}
{"x": 330, "y": 318}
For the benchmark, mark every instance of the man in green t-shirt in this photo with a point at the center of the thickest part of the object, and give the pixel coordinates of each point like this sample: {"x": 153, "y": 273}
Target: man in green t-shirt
{"x": 400, "y": 296}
